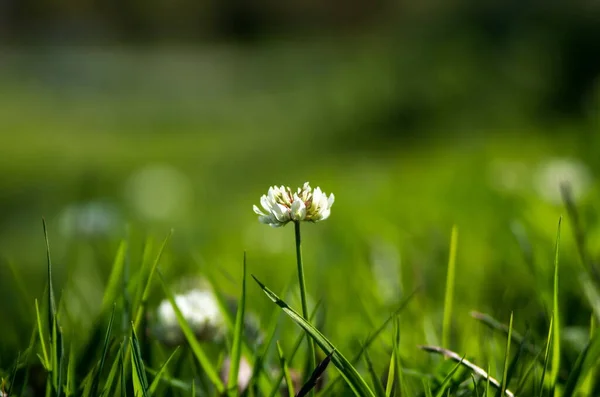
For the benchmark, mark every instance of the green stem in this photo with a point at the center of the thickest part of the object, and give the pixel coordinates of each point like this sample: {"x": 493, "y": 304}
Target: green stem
{"x": 311, "y": 343}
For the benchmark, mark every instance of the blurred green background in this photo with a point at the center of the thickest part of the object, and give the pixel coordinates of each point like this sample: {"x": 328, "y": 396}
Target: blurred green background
{"x": 124, "y": 119}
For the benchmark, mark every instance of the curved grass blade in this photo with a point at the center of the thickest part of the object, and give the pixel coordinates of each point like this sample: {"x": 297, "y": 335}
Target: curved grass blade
{"x": 112, "y": 374}
{"x": 44, "y": 358}
{"x": 466, "y": 363}
{"x": 113, "y": 286}
{"x": 199, "y": 353}
{"x": 350, "y": 374}
{"x": 236, "y": 349}
{"x": 449, "y": 297}
{"x": 391, "y": 375}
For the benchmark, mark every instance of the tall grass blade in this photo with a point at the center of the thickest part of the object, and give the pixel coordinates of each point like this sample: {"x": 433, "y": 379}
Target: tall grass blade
{"x": 555, "y": 367}
{"x": 449, "y": 297}
{"x": 350, "y": 374}
{"x": 44, "y": 359}
{"x": 238, "y": 335}
{"x": 199, "y": 353}
{"x": 112, "y": 374}
{"x": 391, "y": 375}
{"x": 113, "y": 286}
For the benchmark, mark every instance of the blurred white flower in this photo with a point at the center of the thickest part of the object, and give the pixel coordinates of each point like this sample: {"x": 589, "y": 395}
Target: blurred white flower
{"x": 159, "y": 192}
{"x": 199, "y": 308}
{"x": 94, "y": 218}
{"x": 552, "y": 173}
{"x": 281, "y": 205}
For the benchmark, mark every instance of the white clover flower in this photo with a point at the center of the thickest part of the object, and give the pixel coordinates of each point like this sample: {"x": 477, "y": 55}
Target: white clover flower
{"x": 281, "y": 205}
{"x": 199, "y": 308}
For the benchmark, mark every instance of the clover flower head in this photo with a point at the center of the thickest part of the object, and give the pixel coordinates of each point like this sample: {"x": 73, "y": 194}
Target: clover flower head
{"x": 281, "y": 205}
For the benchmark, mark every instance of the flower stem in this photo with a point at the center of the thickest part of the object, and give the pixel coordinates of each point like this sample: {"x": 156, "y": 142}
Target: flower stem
{"x": 311, "y": 343}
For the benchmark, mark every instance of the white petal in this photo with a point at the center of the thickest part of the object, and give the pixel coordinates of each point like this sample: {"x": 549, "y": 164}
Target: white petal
{"x": 281, "y": 213}
{"x": 298, "y": 209}
{"x": 266, "y": 219}
{"x": 331, "y": 200}
{"x": 325, "y": 214}
{"x": 257, "y": 210}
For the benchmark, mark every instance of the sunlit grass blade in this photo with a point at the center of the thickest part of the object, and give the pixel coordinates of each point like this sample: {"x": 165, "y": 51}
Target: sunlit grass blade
{"x": 51, "y": 299}
{"x": 161, "y": 372}
{"x": 314, "y": 376}
{"x": 555, "y": 367}
{"x": 350, "y": 374}
{"x": 113, "y": 287}
{"x": 238, "y": 335}
{"x": 98, "y": 375}
{"x": 199, "y": 353}
{"x": 504, "y": 385}
{"x": 285, "y": 371}
{"x": 44, "y": 359}
{"x": 585, "y": 363}
{"x": 138, "y": 374}
{"x": 444, "y": 385}
{"x": 377, "y": 386}
{"x": 70, "y": 387}
{"x": 466, "y": 363}
{"x": 449, "y": 296}
{"x": 391, "y": 375}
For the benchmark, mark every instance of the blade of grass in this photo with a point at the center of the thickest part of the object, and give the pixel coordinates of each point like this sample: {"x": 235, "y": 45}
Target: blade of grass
{"x": 45, "y": 360}
{"x": 199, "y": 353}
{"x": 112, "y": 374}
{"x": 500, "y": 393}
{"x": 350, "y": 374}
{"x": 285, "y": 371}
{"x": 391, "y": 375}
{"x": 13, "y": 375}
{"x": 466, "y": 363}
{"x": 138, "y": 375}
{"x": 116, "y": 275}
{"x": 547, "y": 355}
{"x": 70, "y": 387}
{"x": 236, "y": 351}
{"x": 96, "y": 380}
{"x": 496, "y": 325}
{"x": 161, "y": 372}
{"x": 449, "y": 297}
{"x": 555, "y": 367}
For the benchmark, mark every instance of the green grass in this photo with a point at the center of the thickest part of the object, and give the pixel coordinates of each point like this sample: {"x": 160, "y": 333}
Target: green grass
{"x": 499, "y": 310}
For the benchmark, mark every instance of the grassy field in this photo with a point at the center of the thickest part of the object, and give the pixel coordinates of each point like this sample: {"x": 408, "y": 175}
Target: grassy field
{"x": 115, "y": 147}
